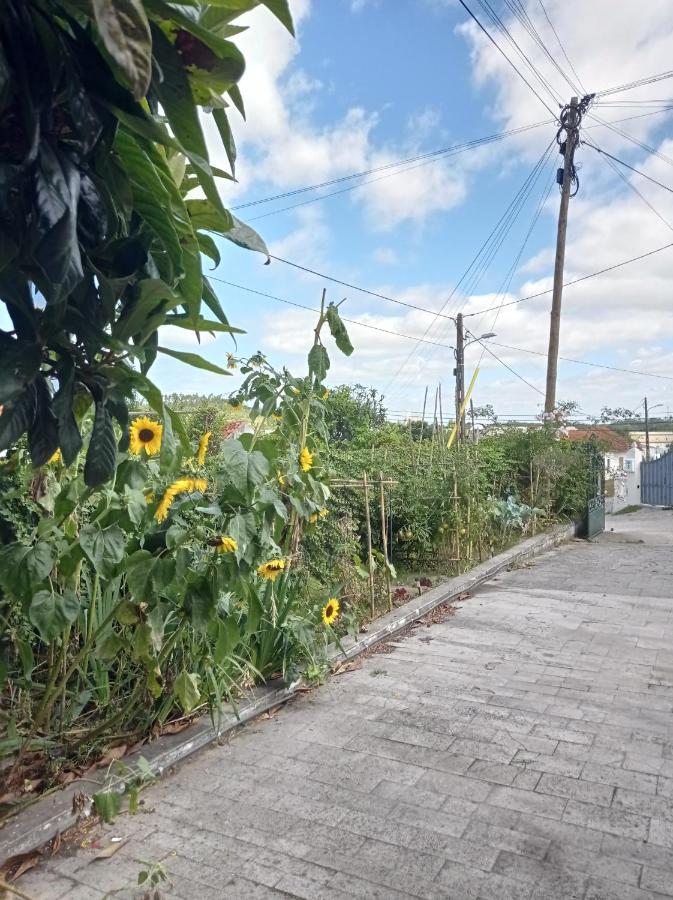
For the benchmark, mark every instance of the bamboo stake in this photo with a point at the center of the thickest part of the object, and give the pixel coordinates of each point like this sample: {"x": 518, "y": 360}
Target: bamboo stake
{"x": 384, "y": 536}
{"x": 420, "y": 436}
{"x": 434, "y": 427}
{"x": 370, "y": 558}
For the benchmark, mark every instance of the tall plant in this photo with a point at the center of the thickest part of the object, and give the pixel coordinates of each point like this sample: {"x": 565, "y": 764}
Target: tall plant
{"x": 101, "y": 235}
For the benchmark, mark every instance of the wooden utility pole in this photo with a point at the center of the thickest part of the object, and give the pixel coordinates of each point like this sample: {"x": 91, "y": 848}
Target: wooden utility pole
{"x": 647, "y": 433}
{"x": 570, "y": 119}
{"x": 459, "y": 372}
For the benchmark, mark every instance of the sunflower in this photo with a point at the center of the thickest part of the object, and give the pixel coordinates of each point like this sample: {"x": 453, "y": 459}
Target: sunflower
{"x": 280, "y": 478}
{"x": 306, "y": 459}
{"x": 271, "y": 569}
{"x": 145, "y": 434}
{"x": 203, "y": 447}
{"x": 181, "y": 486}
{"x": 55, "y": 458}
{"x": 224, "y": 544}
{"x": 330, "y": 611}
{"x": 325, "y": 394}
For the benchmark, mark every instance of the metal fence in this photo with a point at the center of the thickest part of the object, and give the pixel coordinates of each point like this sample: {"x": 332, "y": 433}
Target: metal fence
{"x": 656, "y": 481}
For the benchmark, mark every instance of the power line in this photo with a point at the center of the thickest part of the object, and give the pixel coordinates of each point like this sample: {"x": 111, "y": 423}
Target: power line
{"x": 509, "y": 368}
{"x": 566, "y": 284}
{"x": 635, "y": 190}
{"x": 502, "y": 52}
{"x": 500, "y": 25}
{"x": 441, "y": 151}
{"x": 641, "y": 82}
{"x": 634, "y": 140}
{"x": 563, "y": 51}
{"x": 632, "y": 168}
{"x": 242, "y": 287}
{"x": 584, "y": 362}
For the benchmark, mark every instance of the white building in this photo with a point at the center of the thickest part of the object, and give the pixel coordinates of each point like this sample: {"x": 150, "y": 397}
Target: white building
{"x": 623, "y": 457}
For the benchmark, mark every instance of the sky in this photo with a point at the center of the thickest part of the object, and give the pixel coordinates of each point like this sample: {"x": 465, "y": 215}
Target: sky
{"x": 367, "y": 83}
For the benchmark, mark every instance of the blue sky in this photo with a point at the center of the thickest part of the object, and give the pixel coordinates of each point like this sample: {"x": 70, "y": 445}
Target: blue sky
{"x": 368, "y": 83}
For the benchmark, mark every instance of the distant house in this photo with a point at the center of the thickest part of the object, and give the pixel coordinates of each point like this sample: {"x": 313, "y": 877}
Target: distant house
{"x": 236, "y": 429}
{"x": 660, "y": 441}
{"x": 623, "y": 457}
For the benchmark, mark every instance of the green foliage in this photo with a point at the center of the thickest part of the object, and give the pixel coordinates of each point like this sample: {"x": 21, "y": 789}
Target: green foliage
{"x": 353, "y": 413}
{"x": 101, "y": 145}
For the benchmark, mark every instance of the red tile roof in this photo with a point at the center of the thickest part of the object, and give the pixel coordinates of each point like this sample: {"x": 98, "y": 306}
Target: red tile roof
{"x": 613, "y": 440}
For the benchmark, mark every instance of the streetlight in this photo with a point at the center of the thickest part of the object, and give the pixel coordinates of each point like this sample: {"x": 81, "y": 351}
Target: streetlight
{"x": 459, "y": 371}
{"x": 647, "y": 427}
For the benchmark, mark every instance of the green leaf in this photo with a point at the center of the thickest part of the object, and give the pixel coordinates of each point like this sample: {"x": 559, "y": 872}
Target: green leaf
{"x": 222, "y": 122}
{"x": 244, "y": 469}
{"x": 52, "y": 613}
{"x": 187, "y": 691}
{"x": 40, "y": 561}
{"x": 207, "y": 217}
{"x": 43, "y": 432}
{"x": 181, "y": 321}
{"x": 14, "y": 578}
{"x": 150, "y": 198}
{"x": 318, "y": 362}
{"x": 125, "y": 31}
{"x": 228, "y": 637}
{"x": 69, "y": 437}
{"x": 140, "y": 575}
{"x": 175, "y": 95}
{"x": 338, "y": 330}
{"x": 151, "y": 302}
{"x": 208, "y": 247}
{"x": 281, "y": 9}
{"x": 246, "y": 237}
{"x": 108, "y": 804}
{"x": 200, "y": 604}
{"x": 17, "y": 418}
{"x": 193, "y": 359}
{"x": 102, "y": 453}
{"x": 103, "y": 547}
{"x": 242, "y": 528}
{"x": 19, "y": 364}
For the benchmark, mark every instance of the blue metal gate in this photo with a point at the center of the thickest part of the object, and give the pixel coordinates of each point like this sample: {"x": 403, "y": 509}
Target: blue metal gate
{"x": 656, "y": 481}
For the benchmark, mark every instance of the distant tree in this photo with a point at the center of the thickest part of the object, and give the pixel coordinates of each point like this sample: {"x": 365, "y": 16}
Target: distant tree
{"x": 353, "y": 410}
{"x": 619, "y": 413}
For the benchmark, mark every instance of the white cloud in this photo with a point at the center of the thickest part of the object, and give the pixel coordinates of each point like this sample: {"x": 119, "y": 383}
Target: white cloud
{"x": 385, "y": 256}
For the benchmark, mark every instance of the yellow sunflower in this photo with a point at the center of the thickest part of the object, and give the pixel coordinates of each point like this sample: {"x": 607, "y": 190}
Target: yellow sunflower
{"x": 330, "y": 611}
{"x": 280, "y": 478}
{"x": 271, "y": 569}
{"x": 306, "y": 459}
{"x": 55, "y": 458}
{"x": 203, "y": 448}
{"x": 325, "y": 394}
{"x": 224, "y": 544}
{"x": 145, "y": 434}
{"x": 181, "y": 486}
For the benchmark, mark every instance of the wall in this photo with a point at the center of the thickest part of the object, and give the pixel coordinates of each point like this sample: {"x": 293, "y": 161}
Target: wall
{"x": 625, "y": 469}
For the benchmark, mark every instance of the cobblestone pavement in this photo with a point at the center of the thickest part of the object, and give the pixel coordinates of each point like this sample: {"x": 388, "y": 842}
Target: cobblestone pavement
{"x": 521, "y": 749}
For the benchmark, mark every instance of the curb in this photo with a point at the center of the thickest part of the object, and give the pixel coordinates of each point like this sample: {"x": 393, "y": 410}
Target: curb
{"x": 56, "y": 813}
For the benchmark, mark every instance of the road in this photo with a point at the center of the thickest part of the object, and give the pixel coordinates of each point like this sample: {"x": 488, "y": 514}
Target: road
{"x": 522, "y": 748}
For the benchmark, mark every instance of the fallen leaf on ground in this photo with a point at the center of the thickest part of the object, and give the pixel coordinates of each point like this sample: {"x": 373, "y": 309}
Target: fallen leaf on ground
{"x": 112, "y": 755}
{"x": 111, "y": 849}
{"x": 174, "y": 727}
{"x": 26, "y": 863}
{"x": 350, "y": 666}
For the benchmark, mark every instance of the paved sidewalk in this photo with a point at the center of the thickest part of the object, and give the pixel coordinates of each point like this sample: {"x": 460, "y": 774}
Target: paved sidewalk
{"x": 521, "y": 749}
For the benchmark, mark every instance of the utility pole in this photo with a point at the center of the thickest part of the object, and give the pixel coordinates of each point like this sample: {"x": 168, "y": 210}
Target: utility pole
{"x": 459, "y": 372}
{"x": 647, "y": 433}
{"x": 570, "y": 118}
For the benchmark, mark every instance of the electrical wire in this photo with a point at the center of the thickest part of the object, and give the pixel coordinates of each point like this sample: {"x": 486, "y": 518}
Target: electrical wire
{"x": 502, "y": 52}
{"x": 634, "y": 140}
{"x": 500, "y": 26}
{"x": 525, "y": 21}
{"x": 626, "y": 165}
{"x": 509, "y": 368}
{"x": 441, "y": 151}
{"x": 584, "y": 362}
{"x": 566, "y": 284}
{"x": 563, "y": 50}
{"x": 635, "y": 190}
{"x": 640, "y": 82}
{"x": 242, "y": 287}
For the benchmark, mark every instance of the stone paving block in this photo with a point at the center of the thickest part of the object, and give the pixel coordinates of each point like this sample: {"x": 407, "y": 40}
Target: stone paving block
{"x": 483, "y": 750}
{"x": 527, "y": 780}
{"x": 528, "y": 802}
{"x": 455, "y": 785}
{"x": 507, "y": 839}
{"x": 576, "y": 788}
{"x": 493, "y": 772}
{"x": 657, "y": 880}
{"x": 612, "y": 775}
{"x": 53, "y": 888}
{"x": 499, "y": 887}
{"x": 612, "y": 821}
{"x": 661, "y": 832}
{"x": 645, "y": 804}
{"x": 451, "y": 822}
{"x": 569, "y": 856}
{"x": 604, "y": 889}
{"x": 541, "y": 875}
{"x": 566, "y": 735}
{"x": 347, "y": 885}
{"x": 404, "y": 793}
{"x": 554, "y": 765}
{"x": 496, "y": 815}
{"x": 587, "y": 839}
